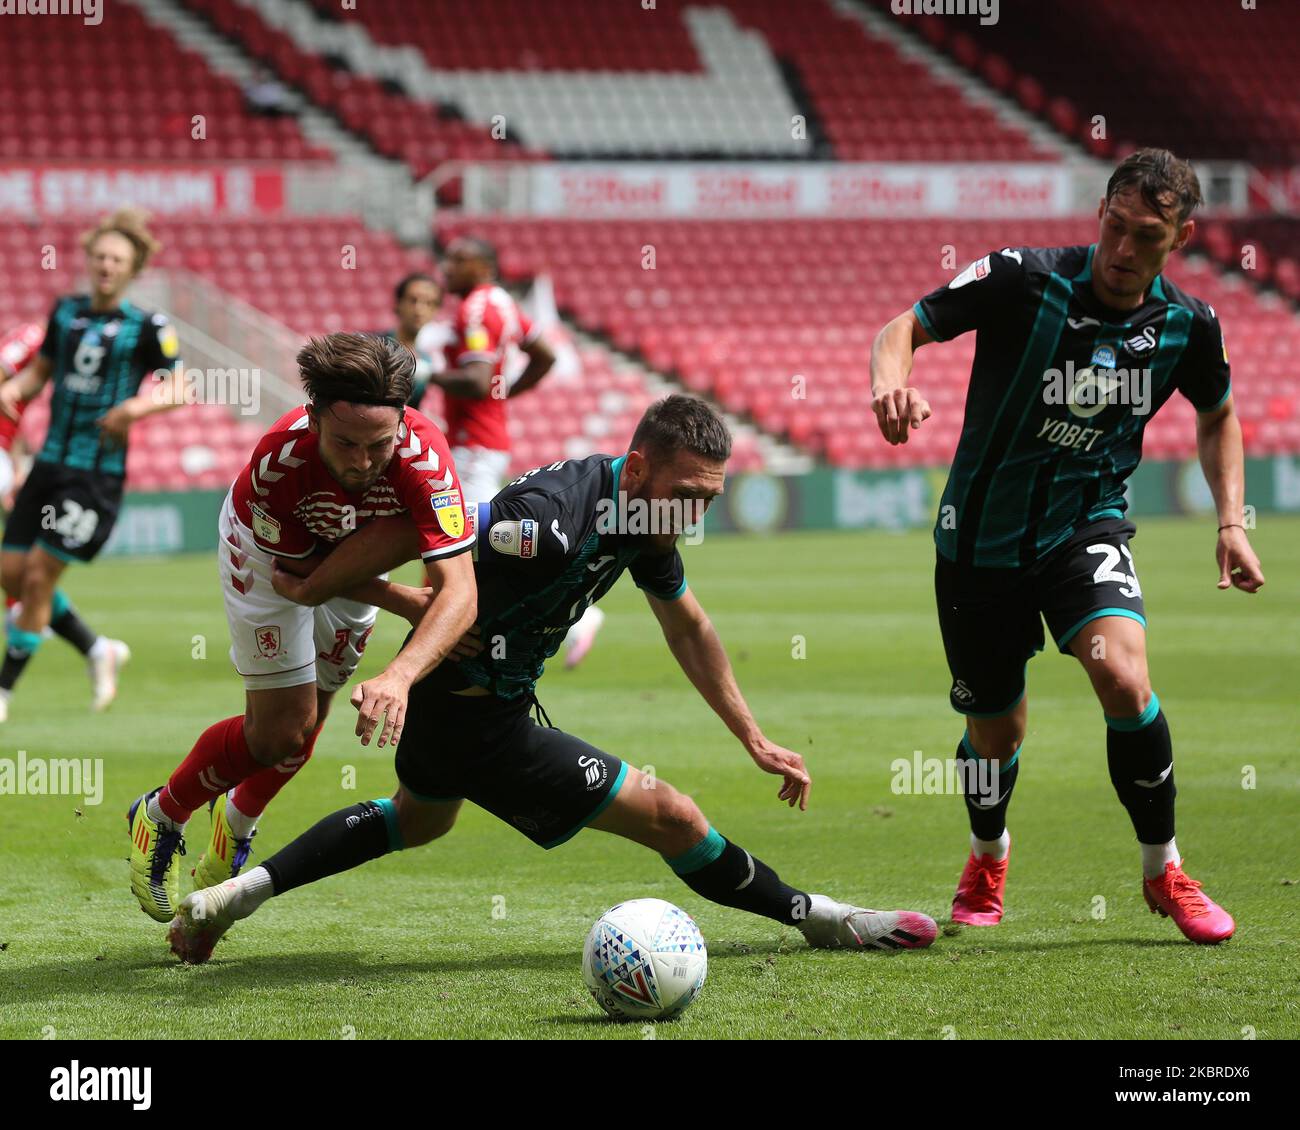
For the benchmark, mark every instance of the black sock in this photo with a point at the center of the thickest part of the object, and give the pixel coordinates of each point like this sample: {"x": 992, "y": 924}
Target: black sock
{"x": 343, "y": 840}
{"x": 725, "y": 873}
{"x": 74, "y": 629}
{"x": 986, "y": 786}
{"x": 1140, "y": 756}
{"x": 15, "y": 661}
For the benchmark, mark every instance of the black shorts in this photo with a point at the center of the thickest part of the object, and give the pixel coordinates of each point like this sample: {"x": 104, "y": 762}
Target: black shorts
{"x": 544, "y": 782}
{"x": 992, "y": 619}
{"x": 66, "y": 511}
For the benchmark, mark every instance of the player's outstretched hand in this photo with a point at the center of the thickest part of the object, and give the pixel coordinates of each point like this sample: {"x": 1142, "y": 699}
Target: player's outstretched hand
{"x": 898, "y": 411}
{"x": 772, "y": 758}
{"x": 468, "y": 646}
{"x": 384, "y": 696}
{"x": 1238, "y": 565}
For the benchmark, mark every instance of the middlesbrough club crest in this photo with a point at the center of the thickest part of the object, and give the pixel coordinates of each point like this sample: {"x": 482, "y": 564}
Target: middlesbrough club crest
{"x": 268, "y": 641}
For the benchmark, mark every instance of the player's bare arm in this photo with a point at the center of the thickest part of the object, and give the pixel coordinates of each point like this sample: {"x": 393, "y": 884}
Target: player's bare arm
{"x": 695, "y": 645}
{"x": 24, "y": 386}
{"x": 473, "y": 382}
{"x": 540, "y": 359}
{"x": 361, "y": 558}
{"x": 167, "y": 393}
{"x": 897, "y": 405}
{"x": 451, "y": 611}
{"x": 1218, "y": 443}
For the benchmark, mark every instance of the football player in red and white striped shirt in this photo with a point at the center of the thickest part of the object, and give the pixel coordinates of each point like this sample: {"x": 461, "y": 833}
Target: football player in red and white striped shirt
{"x": 488, "y": 322}
{"x": 18, "y": 349}
{"x": 353, "y": 455}
{"x": 476, "y": 388}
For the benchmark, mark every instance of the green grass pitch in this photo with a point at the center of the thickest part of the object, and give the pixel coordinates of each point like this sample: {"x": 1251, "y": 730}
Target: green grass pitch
{"x": 479, "y": 934}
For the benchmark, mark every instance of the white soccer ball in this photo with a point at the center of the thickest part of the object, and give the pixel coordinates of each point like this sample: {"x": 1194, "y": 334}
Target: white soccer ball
{"x": 644, "y": 960}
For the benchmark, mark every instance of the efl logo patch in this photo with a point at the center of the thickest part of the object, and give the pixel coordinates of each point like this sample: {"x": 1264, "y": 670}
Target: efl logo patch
{"x": 451, "y": 515}
{"x": 268, "y": 640}
{"x": 264, "y": 526}
{"x": 476, "y": 340}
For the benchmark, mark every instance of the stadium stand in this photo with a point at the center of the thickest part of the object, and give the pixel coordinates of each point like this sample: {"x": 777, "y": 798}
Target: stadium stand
{"x": 738, "y": 310}
{"x": 128, "y": 92}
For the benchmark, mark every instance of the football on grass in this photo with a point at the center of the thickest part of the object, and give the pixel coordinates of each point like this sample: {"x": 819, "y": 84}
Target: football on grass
{"x": 644, "y": 960}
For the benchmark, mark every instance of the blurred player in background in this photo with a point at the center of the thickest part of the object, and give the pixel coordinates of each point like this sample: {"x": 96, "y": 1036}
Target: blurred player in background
{"x": 1032, "y": 520}
{"x": 354, "y": 454}
{"x": 99, "y": 349}
{"x": 416, "y": 302}
{"x": 18, "y": 348}
{"x": 487, "y": 323}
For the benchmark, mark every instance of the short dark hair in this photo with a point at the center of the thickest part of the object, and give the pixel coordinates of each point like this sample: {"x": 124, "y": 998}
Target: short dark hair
{"x": 482, "y": 249}
{"x": 415, "y": 276}
{"x": 682, "y": 423}
{"x": 1158, "y": 175}
{"x": 357, "y": 368}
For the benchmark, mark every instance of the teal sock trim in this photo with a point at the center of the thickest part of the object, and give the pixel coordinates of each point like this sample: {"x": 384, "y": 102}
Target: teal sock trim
{"x": 389, "y": 810}
{"x": 1141, "y": 722}
{"x": 701, "y": 855}
{"x": 24, "y": 641}
{"x": 970, "y": 751}
{"x": 59, "y": 604}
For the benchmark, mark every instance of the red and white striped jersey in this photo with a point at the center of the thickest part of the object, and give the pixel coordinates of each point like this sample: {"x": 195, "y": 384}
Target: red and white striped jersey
{"x": 18, "y": 348}
{"x": 488, "y": 322}
{"x": 293, "y": 505}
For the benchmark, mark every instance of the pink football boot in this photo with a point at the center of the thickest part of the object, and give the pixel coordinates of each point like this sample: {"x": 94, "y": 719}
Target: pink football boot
{"x": 1176, "y": 896}
{"x": 983, "y": 882}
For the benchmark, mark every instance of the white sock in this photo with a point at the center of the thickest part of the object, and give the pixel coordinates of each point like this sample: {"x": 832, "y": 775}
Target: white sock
{"x": 998, "y": 848}
{"x": 159, "y": 817}
{"x": 1155, "y": 856}
{"x": 98, "y": 647}
{"x": 240, "y": 824}
{"x": 254, "y": 888}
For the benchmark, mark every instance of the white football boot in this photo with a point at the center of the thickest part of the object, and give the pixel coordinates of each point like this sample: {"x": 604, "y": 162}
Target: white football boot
{"x": 105, "y": 663}
{"x": 840, "y": 925}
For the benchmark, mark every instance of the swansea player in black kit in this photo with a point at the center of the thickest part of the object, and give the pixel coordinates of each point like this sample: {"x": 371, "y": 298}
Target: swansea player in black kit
{"x": 548, "y": 546}
{"x": 1076, "y": 349}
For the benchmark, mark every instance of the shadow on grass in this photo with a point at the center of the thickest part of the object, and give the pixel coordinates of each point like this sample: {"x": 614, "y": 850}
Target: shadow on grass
{"x": 134, "y": 974}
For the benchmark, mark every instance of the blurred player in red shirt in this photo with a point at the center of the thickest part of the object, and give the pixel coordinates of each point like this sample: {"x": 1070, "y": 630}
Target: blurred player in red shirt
{"x": 354, "y": 454}
{"x": 18, "y": 348}
{"x": 474, "y": 383}
{"x": 476, "y": 388}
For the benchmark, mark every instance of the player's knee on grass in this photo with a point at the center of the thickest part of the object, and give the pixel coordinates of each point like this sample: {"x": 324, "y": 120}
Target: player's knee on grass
{"x": 421, "y": 821}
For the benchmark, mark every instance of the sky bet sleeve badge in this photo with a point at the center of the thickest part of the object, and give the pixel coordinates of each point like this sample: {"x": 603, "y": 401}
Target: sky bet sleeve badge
{"x": 451, "y": 516}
